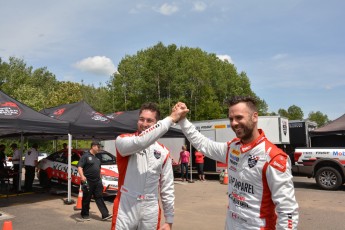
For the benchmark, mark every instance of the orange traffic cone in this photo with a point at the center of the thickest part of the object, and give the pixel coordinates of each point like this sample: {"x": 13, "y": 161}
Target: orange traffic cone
{"x": 226, "y": 177}
{"x": 7, "y": 225}
{"x": 79, "y": 201}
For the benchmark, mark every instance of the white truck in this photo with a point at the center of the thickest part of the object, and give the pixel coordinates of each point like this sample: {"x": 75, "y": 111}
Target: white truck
{"x": 326, "y": 165}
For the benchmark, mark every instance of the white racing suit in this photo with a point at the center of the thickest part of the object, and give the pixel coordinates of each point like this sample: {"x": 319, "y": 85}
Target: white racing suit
{"x": 145, "y": 173}
{"x": 260, "y": 189}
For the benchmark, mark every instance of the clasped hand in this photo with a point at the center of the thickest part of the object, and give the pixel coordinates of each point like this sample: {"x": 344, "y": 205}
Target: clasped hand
{"x": 179, "y": 111}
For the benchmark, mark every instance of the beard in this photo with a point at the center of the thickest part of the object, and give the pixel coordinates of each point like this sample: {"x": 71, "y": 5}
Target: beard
{"x": 244, "y": 132}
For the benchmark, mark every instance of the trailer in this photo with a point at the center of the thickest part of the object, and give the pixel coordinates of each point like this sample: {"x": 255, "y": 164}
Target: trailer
{"x": 275, "y": 128}
{"x": 219, "y": 130}
{"x": 299, "y": 132}
{"x": 299, "y": 136}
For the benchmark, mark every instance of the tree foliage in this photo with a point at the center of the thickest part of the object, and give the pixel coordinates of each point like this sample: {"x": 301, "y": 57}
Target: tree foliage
{"x": 283, "y": 113}
{"x": 39, "y": 88}
{"x": 167, "y": 74}
{"x": 293, "y": 113}
{"x": 320, "y": 118}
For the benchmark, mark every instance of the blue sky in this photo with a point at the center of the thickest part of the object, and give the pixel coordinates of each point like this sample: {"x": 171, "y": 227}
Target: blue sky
{"x": 293, "y": 51}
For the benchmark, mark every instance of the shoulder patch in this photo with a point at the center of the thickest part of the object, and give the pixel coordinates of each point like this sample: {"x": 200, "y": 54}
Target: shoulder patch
{"x": 279, "y": 162}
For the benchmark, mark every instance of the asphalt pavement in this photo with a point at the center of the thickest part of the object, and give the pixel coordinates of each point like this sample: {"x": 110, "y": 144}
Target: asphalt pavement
{"x": 198, "y": 205}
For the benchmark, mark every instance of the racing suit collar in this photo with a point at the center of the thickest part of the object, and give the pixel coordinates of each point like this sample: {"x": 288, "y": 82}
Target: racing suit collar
{"x": 251, "y": 145}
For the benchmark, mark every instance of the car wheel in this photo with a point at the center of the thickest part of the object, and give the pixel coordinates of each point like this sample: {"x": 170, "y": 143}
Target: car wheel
{"x": 328, "y": 178}
{"x": 43, "y": 178}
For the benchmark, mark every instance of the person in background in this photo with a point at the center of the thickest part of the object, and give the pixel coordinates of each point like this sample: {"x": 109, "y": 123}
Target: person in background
{"x": 64, "y": 146}
{"x": 2, "y": 164}
{"x": 2, "y": 156}
{"x": 145, "y": 174}
{"x": 89, "y": 169}
{"x": 15, "y": 161}
{"x": 184, "y": 161}
{"x": 260, "y": 189}
{"x": 31, "y": 160}
{"x": 199, "y": 161}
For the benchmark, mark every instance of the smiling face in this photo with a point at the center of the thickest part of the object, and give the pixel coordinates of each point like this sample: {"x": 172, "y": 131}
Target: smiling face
{"x": 243, "y": 121}
{"x": 147, "y": 118}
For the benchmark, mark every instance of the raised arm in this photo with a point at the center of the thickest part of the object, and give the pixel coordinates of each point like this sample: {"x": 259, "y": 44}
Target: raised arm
{"x": 130, "y": 144}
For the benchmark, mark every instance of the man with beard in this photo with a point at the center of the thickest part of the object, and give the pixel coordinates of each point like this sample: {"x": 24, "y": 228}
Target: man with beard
{"x": 260, "y": 188}
{"x": 145, "y": 174}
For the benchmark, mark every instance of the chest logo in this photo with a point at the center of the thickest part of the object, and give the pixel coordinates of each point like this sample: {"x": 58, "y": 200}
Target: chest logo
{"x": 252, "y": 160}
{"x": 157, "y": 154}
{"x": 235, "y": 152}
{"x": 90, "y": 158}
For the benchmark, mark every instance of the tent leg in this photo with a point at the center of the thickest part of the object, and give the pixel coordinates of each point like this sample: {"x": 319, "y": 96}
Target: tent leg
{"x": 191, "y": 159}
{"x": 69, "y": 179}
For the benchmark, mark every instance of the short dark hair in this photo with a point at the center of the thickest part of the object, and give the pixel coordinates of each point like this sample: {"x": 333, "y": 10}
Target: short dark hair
{"x": 14, "y": 145}
{"x": 95, "y": 143}
{"x": 153, "y": 107}
{"x": 250, "y": 101}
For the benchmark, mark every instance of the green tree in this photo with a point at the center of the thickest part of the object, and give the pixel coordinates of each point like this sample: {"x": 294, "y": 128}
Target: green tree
{"x": 13, "y": 75}
{"x": 295, "y": 113}
{"x": 167, "y": 74}
{"x": 30, "y": 96}
{"x": 64, "y": 93}
{"x": 320, "y": 118}
{"x": 98, "y": 97}
{"x": 283, "y": 113}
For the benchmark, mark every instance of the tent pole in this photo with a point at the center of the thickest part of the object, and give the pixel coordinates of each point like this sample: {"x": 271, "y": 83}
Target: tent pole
{"x": 69, "y": 179}
{"x": 190, "y": 160}
{"x": 21, "y": 162}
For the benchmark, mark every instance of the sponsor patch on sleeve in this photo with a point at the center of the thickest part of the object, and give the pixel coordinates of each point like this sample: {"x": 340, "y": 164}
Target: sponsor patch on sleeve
{"x": 279, "y": 163}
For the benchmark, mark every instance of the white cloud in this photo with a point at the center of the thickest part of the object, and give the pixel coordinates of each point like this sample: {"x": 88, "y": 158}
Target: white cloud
{"x": 225, "y": 57}
{"x": 328, "y": 87}
{"x": 99, "y": 65}
{"x": 279, "y": 56}
{"x": 199, "y": 6}
{"x": 167, "y": 9}
{"x": 137, "y": 8}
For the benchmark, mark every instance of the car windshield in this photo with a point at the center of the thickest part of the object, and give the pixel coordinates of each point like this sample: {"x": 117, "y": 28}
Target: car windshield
{"x": 58, "y": 156}
{"x": 106, "y": 158}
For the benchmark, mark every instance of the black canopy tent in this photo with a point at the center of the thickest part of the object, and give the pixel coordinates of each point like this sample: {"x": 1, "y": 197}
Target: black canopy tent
{"x": 85, "y": 122}
{"x": 77, "y": 119}
{"x": 19, "y": 120}
{"x": 329, "y": 135}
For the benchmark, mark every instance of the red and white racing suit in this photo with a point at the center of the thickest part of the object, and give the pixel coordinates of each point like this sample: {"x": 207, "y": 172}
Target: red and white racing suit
{"x": 261, "y": 192}
{"x": 145, "y": 173}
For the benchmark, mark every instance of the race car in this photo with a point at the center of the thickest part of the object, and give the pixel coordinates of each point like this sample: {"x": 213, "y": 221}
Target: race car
{"x": 54, "y": 169}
